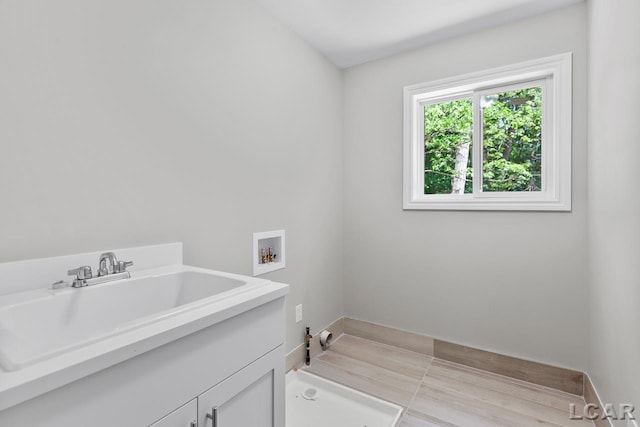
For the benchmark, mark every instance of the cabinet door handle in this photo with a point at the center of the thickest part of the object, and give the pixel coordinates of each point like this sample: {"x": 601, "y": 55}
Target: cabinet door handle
{"x": 213, "y": 416}
{"x": 193, "y": 424}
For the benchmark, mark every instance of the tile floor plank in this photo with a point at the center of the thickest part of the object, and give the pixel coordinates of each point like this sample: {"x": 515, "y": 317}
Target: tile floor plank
{"x": 430, "y": 406}
{"x": 411, "y": 421}
{"x": 475, "y": 395}
{"x": 364, "y": 369}
{"x": 461, "y": 410}
{"x": 385, "y": 356}
{"x": 532, "y": 392}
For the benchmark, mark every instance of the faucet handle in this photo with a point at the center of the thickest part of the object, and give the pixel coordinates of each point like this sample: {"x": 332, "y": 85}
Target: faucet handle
{"x": 121, "y": 266}
{"x": 81, "y": 273}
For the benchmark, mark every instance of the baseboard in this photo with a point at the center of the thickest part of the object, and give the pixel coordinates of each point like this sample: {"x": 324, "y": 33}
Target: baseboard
{"x": 591, "y": 398}
{"x": 296, "y": 356}
{"x": 563, "y": 379}
{"x": 391, "y": 336}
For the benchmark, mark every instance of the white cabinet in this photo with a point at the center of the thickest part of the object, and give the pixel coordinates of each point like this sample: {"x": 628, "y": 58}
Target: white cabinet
{"x": 184, "y": 416}
{"x": 254, "y": 396}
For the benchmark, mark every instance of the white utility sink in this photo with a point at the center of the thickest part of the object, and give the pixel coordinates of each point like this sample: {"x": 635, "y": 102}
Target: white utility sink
{"x": 52, "y": 337}
{"x": 63, "y": 320}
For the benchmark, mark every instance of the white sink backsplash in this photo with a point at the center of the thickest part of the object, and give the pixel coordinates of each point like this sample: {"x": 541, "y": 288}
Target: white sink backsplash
{"x": 20, "y": 276}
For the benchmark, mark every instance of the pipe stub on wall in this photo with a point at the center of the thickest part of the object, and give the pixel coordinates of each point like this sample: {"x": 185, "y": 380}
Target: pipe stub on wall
{"x": 325, "y": 339}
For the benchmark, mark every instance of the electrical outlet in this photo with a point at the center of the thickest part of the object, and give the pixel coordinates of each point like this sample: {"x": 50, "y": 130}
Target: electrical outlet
{"x": 298, "y": 313}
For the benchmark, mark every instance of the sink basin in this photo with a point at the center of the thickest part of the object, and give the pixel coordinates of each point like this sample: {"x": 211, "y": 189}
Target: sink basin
{"x": 56, "y": 322}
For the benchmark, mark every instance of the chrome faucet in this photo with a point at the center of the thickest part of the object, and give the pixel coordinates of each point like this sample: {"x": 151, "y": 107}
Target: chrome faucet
{"x": 103, "y": 270}
{"x": 109, "y": 268}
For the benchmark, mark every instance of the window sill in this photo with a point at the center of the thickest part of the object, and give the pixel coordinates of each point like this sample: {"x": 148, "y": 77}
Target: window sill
{"x": 462, "y": 203}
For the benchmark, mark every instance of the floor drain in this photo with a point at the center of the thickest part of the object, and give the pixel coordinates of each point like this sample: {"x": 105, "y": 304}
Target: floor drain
{"x": 310, "y": 394}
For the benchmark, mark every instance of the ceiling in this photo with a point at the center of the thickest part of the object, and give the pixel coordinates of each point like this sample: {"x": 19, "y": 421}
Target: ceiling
{"x": 351, "y": 32}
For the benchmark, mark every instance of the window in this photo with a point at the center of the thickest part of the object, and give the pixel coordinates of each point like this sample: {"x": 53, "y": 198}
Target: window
{"x": 493, "y": 140}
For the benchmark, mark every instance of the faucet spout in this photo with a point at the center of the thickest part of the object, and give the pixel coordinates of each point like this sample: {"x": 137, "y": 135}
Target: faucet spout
{"x": 103, "y": 268}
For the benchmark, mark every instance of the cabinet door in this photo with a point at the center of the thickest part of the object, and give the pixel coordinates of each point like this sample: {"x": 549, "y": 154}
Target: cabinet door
{"x": 184, "y": 416}
{"x": 253, "y": 396}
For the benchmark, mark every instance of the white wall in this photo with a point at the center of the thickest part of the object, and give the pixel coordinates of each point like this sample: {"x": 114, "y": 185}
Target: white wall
{"x": 131, "y": 123}
{"x": 510, "y": 282}
{"x": 614, "y": 201}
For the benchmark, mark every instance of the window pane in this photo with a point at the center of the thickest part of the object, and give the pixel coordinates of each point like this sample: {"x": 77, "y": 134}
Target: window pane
{"x": 448, "y": 134}
{"x": 512, "y": 140}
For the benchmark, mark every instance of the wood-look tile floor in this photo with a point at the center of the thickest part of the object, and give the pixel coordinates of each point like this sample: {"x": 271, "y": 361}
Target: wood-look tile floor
{"x": 435, "y": 392}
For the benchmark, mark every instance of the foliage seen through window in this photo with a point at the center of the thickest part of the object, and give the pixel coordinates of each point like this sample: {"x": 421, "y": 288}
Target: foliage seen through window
{"x": 511, "y": 143}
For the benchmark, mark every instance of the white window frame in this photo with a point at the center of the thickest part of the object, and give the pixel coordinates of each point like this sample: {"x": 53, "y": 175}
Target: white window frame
{"x": 554, "y": 75}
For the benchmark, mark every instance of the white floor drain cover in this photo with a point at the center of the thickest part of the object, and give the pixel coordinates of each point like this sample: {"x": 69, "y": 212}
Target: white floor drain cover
{"x": 310, "y": 394}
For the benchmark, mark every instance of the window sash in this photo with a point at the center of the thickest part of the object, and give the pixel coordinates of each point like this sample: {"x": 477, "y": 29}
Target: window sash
{"x": 477, "y": 160}
{"x": 478, "y": 140}
{"x": 421, "y": 124}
